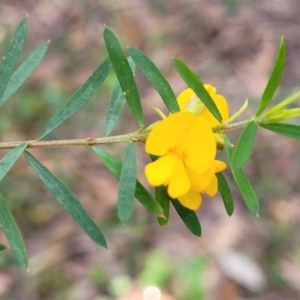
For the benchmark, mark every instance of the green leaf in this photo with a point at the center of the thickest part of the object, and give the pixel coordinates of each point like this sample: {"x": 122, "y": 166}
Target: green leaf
{"x": 188, "y": 217}
{"x": 141, "y": 194}
{"x": 197, "y": 86}
{"x": 229, "y": 150}
{"x": 246, "y": 190}
{"x": 10, "y": 158}
{"x": 225, "y": 192}
{"x": 79, "y": 98}
{"x": 67, "y": 200}
{"x": 127, "y": 184}
{"x": 12, "y": 54}
{"x": 274, "y": 78}
{"x": 12, "y": 233}
{"x": 124, "y": 74}
{"x": 156, "y": 78}
{"x": 2, "y": 247}
{"x": 23, "y": 72}
{"x": 162, "y": 197}
{"x": 244, "y": 146}
{"x": 241, "y": 180}
{"x": 289, "y": 130}
{"x": 116, "y": 104}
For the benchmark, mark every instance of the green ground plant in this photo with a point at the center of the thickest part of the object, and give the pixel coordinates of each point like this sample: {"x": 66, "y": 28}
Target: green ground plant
{"x": 125, "y": 91}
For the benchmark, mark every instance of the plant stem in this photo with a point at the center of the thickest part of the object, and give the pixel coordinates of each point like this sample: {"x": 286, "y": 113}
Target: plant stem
{"x": 226, "y": 127}
{"x": 137, "y": 136}
{"x": 126, "y": 138}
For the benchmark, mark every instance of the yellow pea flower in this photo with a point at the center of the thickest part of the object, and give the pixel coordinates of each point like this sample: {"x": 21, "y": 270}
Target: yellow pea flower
{"x": 221, "y": 103}
{"x": 186, "y": 145}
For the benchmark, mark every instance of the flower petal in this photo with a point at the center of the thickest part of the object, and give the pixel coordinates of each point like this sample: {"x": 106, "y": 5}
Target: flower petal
{"x": 199, "y": 145}
{"x": 179, "y": 182}
{"x": 213, "y": 187}
{"x": 169, "y": 133}
{"x": 190, "y": 200}
{"x": 159, "y": 171}
{"x": 211, "y": 89}
{"x": 184, "y": 97}
{"x": 220, "y": 166}
{"x": 222, "y": 106}
{"x": 200, "y": 182}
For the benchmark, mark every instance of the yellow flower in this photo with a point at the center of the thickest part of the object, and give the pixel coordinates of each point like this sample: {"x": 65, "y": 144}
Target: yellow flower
{"x": 186, "y": 145}
{"x": 219, "y": 100}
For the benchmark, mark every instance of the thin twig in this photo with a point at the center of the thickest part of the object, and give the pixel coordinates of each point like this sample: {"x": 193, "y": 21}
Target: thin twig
{"x": 126, "y": 138}
{"x": 137, "y": 136}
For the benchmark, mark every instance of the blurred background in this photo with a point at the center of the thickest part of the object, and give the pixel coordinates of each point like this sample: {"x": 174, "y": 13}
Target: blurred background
{"x": 229, "y": 44}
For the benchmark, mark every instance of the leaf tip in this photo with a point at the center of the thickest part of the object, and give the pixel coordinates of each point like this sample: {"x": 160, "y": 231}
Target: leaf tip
{"x": 162, "y": 216}
{"x": 123, "y": 220}
{"x": 106, "y": 28}
{"x": 104, "y": 245}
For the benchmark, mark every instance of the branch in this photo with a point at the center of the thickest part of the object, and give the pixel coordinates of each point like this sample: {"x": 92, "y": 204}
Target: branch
{"x": 126, "y": 138}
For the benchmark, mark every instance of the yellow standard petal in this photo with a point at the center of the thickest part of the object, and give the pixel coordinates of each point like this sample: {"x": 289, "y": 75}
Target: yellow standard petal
{"x": 199, "y": 145}
{"x": 159, "y": 172}
{"x": 179, "y": 182}
{"x": 222, "y": 106}
{"x": 190, "y": 200}
{"x": 221, "y": 103}
{"x": 184, "y": 97}
{"x": 210, "y": 89}
{"x": 167, "y": 135}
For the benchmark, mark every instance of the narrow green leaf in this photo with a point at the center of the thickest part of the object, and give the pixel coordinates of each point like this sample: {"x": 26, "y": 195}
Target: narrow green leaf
{"x": 67, "y": 200}
{"x": 289, "y": 130}
{"x": 141, "y": 194}
{"x": 79, "y": 98}
{"x": 2, "y": 247}
{"x": 12, "y": 54}
{"x": 242, "y": 181}
{"x": 244, "y": 146}
{"x": 246, "y": 190}
{"x": 225, "y": 192}
{"x": 12, "y": 233}
{"x": 124, "y": 74}
{"x": 188, "y": 217}
{"x": 196, "y": 85}
{"x": 229, "y": 150}
{"x": 127, "y": 184}
{"x": 116, "y": 104}
{"x": 156, "y": 78}
{"x": 274, "y": 78}
{"x": 147, "y": 200}
{"x": 162, "y": 197}
{"x": 23, "y": 72}
{"x": 10, "y": 158}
